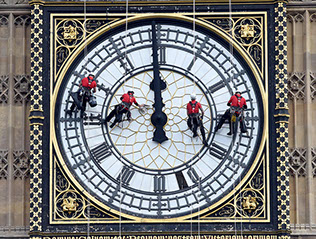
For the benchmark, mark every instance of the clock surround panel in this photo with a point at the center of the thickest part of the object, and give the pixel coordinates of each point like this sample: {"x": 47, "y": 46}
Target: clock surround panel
{"x": 183, "y": 218}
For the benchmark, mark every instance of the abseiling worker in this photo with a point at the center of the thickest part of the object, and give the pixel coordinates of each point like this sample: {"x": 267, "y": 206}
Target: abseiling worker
{"x": 123, "y": 108}
{"x": 195, "y": 117}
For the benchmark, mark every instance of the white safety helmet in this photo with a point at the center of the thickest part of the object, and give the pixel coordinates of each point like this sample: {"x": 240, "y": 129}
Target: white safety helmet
{"x": 193, "y": 96}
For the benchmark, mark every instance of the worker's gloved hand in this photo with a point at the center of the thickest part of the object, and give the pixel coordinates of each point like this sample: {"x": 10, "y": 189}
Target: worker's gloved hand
{"x": 244, "y": 107}
{"x": 228, "y": 104}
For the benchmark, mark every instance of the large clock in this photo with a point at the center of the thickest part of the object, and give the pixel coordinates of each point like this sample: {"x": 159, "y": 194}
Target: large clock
{"x": 125, "y": 168}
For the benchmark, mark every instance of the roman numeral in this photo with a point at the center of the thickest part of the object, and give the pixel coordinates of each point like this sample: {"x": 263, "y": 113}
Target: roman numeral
{"x": 159, "y": 184}
{"x": 92, "y": 119}
{"x": 181, "y": 180}
{"x": 101, "y": 152}
{"x": 217, "y": 86}
{"x": 162, "y": 55}
{"x": 199, "y": 51}
{"x": 124, "y": 64}
{"x": 217, "y": 151}
{"x": 125, "y": 175}
{"x": 81, "y": 162}
{"x": 106, "y": 90}
{"x": 193, "y": 175}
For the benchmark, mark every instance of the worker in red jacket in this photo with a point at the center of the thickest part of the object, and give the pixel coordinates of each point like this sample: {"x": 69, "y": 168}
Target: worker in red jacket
{"x": 237, "y": 101}
{"x": 123, "y": 108}
{"x": 195, "y": 118}
{"x": 237, "y": 104}
{"x": 82, "y": 96}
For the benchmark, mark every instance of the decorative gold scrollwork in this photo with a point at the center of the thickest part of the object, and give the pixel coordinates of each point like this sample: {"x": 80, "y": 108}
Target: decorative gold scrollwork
{"x": 70, "y": 33}
{"x": 61, "y": 183}
{"x": 61, "y": 55}
{"x": 247, "y": 31}
{"x": 225, "y": 23}
{"x": 69, "y": 204}
{"x": 249, "y": 203}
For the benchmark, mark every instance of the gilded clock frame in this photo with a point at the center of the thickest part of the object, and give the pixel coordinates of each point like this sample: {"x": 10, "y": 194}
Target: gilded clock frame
{"x": 207, "y": 215}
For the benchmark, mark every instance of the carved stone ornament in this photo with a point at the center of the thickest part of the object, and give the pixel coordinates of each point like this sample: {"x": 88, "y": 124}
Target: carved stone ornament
{"x": 22, "y": 88}
{"x": 314, "y": 161}
{"x": 313, "y": 85}
{"x": 3, "y": 165}
{"x": 4, "y": 20}
{"x": 296, "y": 86}
{"x": 247, "y": 31}
{"x": 295, "y": 17}
{"x": 21, "y": 165}
{"x": 23, "y": 20}
{"x": 4, "y": 89}
{"x": 297, "y": 161}
{"x": 312, "y": 17}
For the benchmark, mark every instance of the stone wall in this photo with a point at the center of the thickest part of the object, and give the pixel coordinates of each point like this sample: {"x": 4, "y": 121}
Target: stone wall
{"x": 302, "y": 108}
{"x": 14, "y": 125}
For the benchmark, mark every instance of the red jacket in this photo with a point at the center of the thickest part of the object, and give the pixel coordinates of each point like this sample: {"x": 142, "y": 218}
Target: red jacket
{"x": 88, "y": 83}
{"x": 128, "y": 100}
{"x": 237, "y": 100}
{"x": 193, "y": 107}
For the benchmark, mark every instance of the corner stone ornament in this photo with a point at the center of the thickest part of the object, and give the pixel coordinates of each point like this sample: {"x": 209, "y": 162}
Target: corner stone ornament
{"x": 247, "y": 31}
{"x": 249, "y": 203}
{"x": 70, "y": 33}
{"x": 69, "y": 205}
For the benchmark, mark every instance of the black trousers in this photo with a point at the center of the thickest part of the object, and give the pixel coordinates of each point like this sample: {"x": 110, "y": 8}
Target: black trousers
{"x": 84, "y": 98}
{"x": 194, "y": 123}
{"x": 227, "y": 116}
{"x": 118, "y": 112}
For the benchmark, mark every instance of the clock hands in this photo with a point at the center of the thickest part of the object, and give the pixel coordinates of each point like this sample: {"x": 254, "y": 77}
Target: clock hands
{"x": 158, "y": 118}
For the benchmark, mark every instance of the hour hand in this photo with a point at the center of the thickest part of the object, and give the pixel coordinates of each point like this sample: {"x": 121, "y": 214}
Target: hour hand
{"x": 159, "y": 118}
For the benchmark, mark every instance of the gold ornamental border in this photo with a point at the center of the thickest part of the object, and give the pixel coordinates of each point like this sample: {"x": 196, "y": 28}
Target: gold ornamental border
{"x": 179, "y": 16}
{"x": 151, "y": 3}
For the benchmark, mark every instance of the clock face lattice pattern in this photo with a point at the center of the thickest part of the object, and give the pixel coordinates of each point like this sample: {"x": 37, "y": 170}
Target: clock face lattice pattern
{"x": 134, "y": 139}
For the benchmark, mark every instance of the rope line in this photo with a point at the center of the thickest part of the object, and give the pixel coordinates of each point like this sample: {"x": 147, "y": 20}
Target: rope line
{"x": 85, "y": 57}
{"x": 121, "y": 155}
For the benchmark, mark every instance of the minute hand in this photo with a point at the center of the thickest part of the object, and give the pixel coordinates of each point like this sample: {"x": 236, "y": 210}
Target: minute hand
{"x": 158, "y": 118}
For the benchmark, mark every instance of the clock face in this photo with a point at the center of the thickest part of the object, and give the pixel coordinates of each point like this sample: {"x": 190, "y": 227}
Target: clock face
{"x": 122, "y": 166}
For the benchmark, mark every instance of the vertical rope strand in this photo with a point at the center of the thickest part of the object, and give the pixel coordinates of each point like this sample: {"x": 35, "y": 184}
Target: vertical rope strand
{"x": 125, "y": 73}
{"x": 85, "y": 57}
{"x": 231, "y": 50}
{"x": 193, "y": 46}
